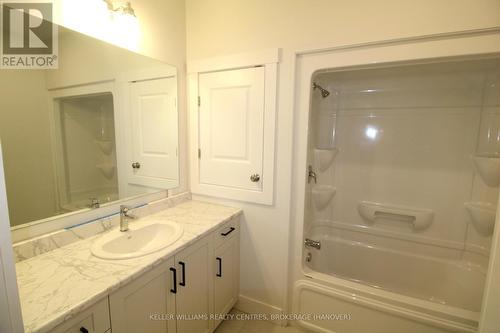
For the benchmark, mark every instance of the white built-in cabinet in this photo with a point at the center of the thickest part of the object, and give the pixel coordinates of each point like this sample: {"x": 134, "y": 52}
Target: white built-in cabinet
{"x": 200, "y": 280}
{"x": 194, "y": 291}
{"x": 150, "y": 292}
{"x": 227, "y": 270}
{"x": 93, "y": 320}
{"x": 154, "y": 133}
{"x": 232, "y": 126}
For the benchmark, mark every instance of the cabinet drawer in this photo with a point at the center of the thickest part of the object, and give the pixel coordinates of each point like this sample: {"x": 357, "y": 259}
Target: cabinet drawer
{"x": 227, "y": 231}
{"x": 93, "y": 320}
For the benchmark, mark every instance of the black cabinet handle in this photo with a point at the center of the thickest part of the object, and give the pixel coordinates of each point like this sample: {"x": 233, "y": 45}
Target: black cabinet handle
{"x": 230, "y": 231}
{"x": 174, "y": 273}
{"x": 183, "y": 282}
{"x": 219, "y": 260}
{"x": 84, "y": 330}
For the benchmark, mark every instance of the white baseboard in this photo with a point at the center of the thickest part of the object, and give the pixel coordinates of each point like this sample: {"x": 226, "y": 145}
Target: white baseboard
{"x": 253, "y": 306}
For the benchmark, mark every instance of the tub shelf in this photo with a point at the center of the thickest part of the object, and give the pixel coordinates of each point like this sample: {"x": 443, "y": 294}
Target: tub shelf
{"x": 482, "y": 215}
{"x": 322, "y": 195}
{"x": 419, "y": 218}
{"x": 489, "y": 169}
{"x": 324, "y": 157}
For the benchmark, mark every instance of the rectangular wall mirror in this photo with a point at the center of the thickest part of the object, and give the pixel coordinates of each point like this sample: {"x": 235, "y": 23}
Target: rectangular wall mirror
{"x": 103, "y": 127}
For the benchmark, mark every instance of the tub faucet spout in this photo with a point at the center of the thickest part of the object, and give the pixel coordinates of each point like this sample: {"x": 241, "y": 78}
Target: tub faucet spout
{"x": 312, "y": 243}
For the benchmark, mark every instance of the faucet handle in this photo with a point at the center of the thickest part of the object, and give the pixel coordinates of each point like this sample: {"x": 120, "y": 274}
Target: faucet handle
{"x": 125, "y": 211}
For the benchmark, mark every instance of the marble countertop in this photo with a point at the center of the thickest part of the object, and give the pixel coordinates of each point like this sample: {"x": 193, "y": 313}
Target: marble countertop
{"x": 57, "y": 285}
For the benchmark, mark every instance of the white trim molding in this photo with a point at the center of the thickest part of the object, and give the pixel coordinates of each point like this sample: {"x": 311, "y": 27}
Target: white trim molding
{"x": 10, "y": 307}
{"x": 253, "y": 306}
{"x": 269, "y": 60}
{"x": 234, "y": 61}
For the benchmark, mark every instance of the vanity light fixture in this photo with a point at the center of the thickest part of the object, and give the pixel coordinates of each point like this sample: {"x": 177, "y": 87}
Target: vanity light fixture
{"x": 120, "y": 7}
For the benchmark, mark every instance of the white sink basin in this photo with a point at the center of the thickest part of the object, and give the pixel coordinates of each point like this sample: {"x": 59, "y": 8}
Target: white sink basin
{"x": 144, "y": 237}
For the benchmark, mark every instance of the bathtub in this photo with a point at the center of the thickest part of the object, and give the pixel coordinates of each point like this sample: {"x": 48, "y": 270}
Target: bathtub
{"x": 386, "y": 290}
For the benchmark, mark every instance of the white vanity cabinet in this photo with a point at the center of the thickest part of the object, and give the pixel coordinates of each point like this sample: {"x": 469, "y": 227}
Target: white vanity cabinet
{"x": 180, "y": 294}
{"x": 194, "y": 291}
{"x": 227, "y": 268}
{"x": 92, "y": 320}
{"x": 143, "y": 304}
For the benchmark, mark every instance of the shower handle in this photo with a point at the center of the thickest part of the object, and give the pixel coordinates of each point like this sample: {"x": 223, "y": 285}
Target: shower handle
{"x": 312, "y": 243}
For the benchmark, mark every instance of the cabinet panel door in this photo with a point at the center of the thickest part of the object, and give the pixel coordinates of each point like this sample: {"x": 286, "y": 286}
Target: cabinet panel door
{"x": 194, "y": 292}
{"x": 232, "y": 127}
{"x": 154, "y": 128}
{"x": 132, "y": 305}
{"x": 226, "y": 276}
{"x": 93, "y": 320}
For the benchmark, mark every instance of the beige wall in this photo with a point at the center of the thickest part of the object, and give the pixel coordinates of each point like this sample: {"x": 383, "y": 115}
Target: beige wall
{"x": 25, "y": 135}
{"x": 228, "y": 26}
{"x": 216, "y": 28}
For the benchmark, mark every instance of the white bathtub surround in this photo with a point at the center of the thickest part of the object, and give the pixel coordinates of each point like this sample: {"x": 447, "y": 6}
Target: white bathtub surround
{"x": 482, "y": 216}
{"x": 489, "y": 169}
{"x": 416, "y": 218}
{"x": 407, "y": 134}
{"x": 48, "y": 242}
{"x": 324, "y": 158}
{"x": 322, "y": 195}
{"x": 55, "y": 286}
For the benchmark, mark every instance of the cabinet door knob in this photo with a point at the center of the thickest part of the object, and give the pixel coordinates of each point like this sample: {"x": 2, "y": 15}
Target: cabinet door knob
{"x": 255, "y": 177}
{"x": 136, "y": 165}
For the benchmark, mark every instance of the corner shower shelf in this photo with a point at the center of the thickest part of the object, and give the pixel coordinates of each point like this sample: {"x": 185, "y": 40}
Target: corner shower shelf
{"x": 324, "y": 158}
{"x": 108, "y": 170}
{"x": 322, "y": 195}
{"x": 419, "y": 218}
{"x": 489, "y": 169}
{"x": 482, "y": 215}
{"x": 106, "y": 146}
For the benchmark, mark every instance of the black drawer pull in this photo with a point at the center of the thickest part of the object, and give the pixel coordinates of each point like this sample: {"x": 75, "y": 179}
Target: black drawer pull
{"x": 219, "y": 260}
{"x": 84, "y": 330}
{"x": 183, "y": 282}
{"x": 227, "y": 233}
{"x": 174, "y": 273}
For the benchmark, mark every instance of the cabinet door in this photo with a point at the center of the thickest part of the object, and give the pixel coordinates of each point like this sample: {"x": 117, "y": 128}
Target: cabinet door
{"x": 154, "y": 128}
{"x": 194, "y": 290}
{"x": 92, "y": 320}
{"x": 232, "y": 128}
{"x": 145, "y": 304}
{"x": 226, "y": 276}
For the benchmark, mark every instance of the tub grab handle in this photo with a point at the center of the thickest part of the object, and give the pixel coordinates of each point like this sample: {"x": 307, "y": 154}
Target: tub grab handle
{"x": 419, "y": 218}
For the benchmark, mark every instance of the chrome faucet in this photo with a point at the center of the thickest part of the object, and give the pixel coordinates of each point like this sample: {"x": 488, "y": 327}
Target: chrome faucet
{"x": 124, "y": 216}
{"x": 311, "y": 174}
{"x": 94, "y": 203}
{"x": 312, "y": 243}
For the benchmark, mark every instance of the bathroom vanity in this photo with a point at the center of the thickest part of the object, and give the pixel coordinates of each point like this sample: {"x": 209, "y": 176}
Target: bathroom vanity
{"x": 185, "y": 287}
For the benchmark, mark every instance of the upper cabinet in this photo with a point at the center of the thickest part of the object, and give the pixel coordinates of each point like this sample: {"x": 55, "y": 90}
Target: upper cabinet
{"x": 232, "y": 128}
{"x": 232, "y": 110}
{"x": 153, "y": 115}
